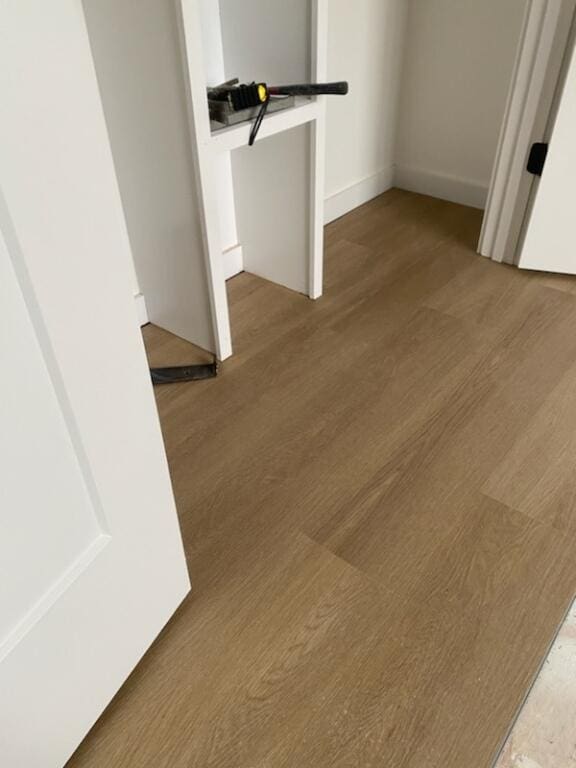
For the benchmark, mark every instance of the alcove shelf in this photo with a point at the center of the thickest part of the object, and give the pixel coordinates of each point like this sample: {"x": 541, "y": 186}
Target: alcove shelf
{"x": 200, "y": 205}
{"x": 264, "y": 204}
{"x": 236, "y": 136}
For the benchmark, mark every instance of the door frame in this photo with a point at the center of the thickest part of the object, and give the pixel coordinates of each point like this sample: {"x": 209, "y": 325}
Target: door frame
{"x": 544, "y": 43}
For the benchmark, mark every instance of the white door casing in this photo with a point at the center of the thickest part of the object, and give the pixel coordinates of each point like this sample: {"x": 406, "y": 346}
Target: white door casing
{"x": 550, "y": 241}
{"x": 538, "y": 67}
{"x": 91, "y": 558}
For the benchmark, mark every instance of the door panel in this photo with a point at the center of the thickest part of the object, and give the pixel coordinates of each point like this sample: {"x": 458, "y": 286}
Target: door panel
{"x": 550, "y": 242}
{"x": 47, "y": 510}
{"x": 92, "y": 559}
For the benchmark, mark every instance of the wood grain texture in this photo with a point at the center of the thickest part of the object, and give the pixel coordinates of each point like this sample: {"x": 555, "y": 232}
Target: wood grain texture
{"x": 376, "y": 499}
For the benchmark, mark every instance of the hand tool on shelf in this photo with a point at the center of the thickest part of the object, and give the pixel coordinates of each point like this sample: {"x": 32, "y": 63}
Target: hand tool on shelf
{"x": 240, "y": 97}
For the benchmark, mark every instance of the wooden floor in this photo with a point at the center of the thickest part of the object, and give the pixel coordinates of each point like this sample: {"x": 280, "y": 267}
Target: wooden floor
{"x": 378, "y": 504}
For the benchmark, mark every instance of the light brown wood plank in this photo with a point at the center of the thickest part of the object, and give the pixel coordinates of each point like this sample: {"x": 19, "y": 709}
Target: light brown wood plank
{"x": 374, "y": 499}
{"x": 538, "y": 475}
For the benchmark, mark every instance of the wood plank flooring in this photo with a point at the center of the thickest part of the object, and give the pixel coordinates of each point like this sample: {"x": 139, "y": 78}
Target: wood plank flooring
{"x": 378, "y": 503}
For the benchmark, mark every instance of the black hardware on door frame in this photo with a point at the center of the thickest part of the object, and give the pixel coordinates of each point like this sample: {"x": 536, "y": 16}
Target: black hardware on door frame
{"x": 537, "y": 158}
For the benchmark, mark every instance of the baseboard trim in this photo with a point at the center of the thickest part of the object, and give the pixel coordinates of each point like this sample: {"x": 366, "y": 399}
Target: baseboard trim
{"x": 141, "y": 311}
{"x": 232, "y": 262}
{"x": 445, "y": 187}
{"x": 346, "y": 200}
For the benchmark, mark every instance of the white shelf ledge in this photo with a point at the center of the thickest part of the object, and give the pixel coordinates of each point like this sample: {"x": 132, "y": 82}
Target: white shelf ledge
{"x": 226, "y": 139}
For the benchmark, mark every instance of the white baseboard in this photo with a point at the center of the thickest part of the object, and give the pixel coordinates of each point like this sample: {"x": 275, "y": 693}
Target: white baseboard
{"x": 141, "y": 310}
{"x": 232, "y": 262}
{"x": 346, "y": 200}
{"x": 445, "y": 187}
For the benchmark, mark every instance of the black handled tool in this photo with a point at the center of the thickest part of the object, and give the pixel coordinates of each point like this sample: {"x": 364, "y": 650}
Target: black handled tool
{"x": 310, "y": 89}
{"x": 247, "y": 96}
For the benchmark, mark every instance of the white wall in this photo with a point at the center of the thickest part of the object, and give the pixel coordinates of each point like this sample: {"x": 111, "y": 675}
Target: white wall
{"x": 458, "y": 62}
{"x": 266, "y": 39}
{"x": 139, "y": 67}
{"x": 365, "y": 44}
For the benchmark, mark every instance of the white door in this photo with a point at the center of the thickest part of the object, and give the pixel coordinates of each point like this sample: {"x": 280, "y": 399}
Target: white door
{"x": 91, "y": 559}
{"x": 550, "y": 242}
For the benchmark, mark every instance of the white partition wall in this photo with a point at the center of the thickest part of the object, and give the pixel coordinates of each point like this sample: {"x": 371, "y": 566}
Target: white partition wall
{"x": 271, "y": 180}
{"x": 200, "y": 207}
{"x": 136, "y": 52}
{"x": 278, "y": 183}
